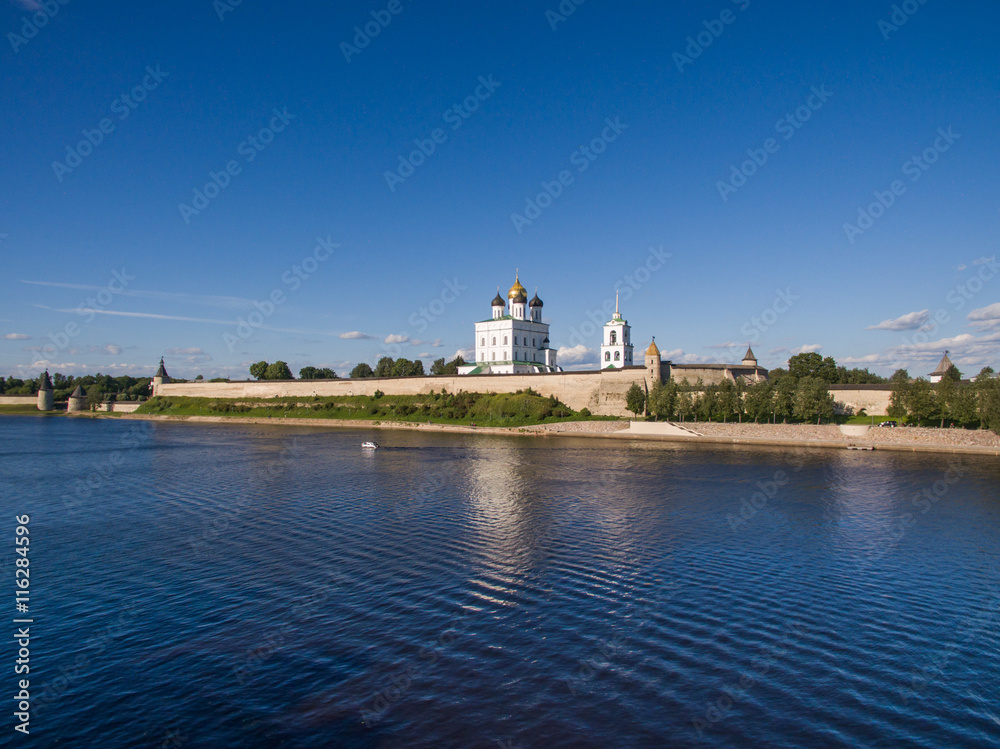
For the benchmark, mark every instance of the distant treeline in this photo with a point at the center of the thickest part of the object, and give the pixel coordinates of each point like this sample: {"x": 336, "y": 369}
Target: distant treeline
{"x": 950, "y": 402}
{"x": 99, "y": 387}
{"x": 386, "y": 367}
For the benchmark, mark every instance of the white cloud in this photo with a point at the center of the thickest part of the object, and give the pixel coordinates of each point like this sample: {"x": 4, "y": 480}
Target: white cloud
{"x": 437, "y": 343}
{"x": 986, "y": 317}
{"x": 469, "y": 354}
{"x": 424, "y": 355}
{"x": 112, "y": 349}
{"x": 985, "y": 261}
{"x": 16, "y": 337}
{"x": 576, "y": 354}
{"x": 869, "y": 359}
{"x": 809, "y": 348}
{"x": 963, "y": 266}
{"x": 356, "y": 335}
{"x": 726, "y": 345}
{"x": 393, "y": 338}
{"x": 910, "y": 321}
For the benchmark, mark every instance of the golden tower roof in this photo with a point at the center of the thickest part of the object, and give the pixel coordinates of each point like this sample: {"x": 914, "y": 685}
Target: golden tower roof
{"x": 517, "y": 291}
{"x": 653, "y": 350}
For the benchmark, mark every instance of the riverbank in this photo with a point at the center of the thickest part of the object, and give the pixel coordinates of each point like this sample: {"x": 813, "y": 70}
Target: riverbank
{"x": 826, "y": 436}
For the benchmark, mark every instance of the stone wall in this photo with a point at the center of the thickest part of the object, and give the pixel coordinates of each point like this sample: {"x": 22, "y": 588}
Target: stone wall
{"x": 18, "y": 400}
{"x": 874, "y": 399}
{"x": 603, "y": 392}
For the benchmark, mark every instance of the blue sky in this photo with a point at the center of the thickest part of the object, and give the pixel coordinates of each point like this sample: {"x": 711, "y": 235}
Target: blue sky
{"x": 727, "y": 146}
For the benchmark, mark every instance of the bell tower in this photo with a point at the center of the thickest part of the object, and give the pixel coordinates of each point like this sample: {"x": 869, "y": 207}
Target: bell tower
{"x": 616, "y": 350}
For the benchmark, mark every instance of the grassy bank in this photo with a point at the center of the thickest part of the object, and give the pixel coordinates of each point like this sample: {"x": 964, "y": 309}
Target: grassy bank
{"x": 523, "y": 408}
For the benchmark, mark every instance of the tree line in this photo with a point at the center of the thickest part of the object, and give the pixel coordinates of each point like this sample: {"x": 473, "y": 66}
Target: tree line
{"x": 97, "y": 387}
{"x": 950, "y": 402}
{"x": 789, "y": 400}
{"x": 402, "y": 367}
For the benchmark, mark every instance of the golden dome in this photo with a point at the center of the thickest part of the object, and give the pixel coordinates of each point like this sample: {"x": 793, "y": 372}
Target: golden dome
{"x": 517, "y": 291}
{"x": 653, "y": 350}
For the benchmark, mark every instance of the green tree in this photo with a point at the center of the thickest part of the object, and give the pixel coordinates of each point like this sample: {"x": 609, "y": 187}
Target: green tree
{"x": 989, "y": 403}
{"x": 760, "y": 400}
{"x": 384, "y": 367}
{"x": 635, "y": 399}
{"x": 258, "y": 370}
{"x": 952, "y": 374}
{"x": 898, "y": 407}
{"x": 439, "y": 367}
{"x": 946, "y": 392}
{"x": 921, "y": 403}
{"x": 784, "y": 397}
{"x": 278, "y": 371}
{"x": 361, "y": 371}
{"x": 963, "y": 408}
{"x": 94, "y": 396}
{"x": 728, "y": 400}
{"x": 708, "y": 403}
{"x": 685, "y": 403}
{"x": 663, "y": 399}
{"x": 813, "y": 399}
{"x": 812, "y": 364}
{"x": 314, "y": 373}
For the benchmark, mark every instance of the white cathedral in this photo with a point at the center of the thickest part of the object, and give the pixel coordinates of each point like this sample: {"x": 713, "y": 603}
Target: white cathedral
{"x": 514, "y": 340}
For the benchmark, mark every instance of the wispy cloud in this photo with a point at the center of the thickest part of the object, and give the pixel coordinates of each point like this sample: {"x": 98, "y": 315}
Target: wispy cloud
{"x": 809, "y": 348}
{"x": 174, "y": 297}
{"x": 910, "y": 321}
{"x": 16, "y": 337}
{"x": 393, "y": 338}
{"x": 986, "y": 317}
{"x": 357, "y": 335}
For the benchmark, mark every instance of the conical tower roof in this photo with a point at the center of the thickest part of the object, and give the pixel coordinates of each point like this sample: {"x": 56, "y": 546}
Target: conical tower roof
{"x": 748, "y": 356}
{"x": 162, "y": 371}
{"x": 653, "y": 349}
{"x": 943, "y": 366}
{"x": 78, "y": 393}
{"x": 46, "y": 381}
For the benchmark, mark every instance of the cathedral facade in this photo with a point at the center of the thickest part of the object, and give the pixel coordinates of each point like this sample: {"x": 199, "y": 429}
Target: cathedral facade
{"x": 514, "y": 340}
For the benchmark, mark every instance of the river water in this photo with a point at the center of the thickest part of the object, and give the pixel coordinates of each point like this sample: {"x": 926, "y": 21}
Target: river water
{"x": 246, "y": 586}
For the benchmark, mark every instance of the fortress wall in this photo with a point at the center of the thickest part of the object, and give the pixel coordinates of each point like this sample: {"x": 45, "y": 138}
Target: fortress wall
{"x": 18, "y": 400}
{"x": 602, "y": 392}
{"x": 873, "y": 398}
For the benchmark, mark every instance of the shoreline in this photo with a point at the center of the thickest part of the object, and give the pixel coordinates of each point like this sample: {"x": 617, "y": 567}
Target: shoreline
{"x": 622, "y": 433}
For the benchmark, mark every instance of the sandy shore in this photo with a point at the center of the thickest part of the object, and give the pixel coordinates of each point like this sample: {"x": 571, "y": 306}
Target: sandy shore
{"x": 908, "y": 439}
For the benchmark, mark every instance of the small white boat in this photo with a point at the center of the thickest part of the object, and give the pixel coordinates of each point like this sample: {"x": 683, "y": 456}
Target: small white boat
{"x": 370, "y": 445}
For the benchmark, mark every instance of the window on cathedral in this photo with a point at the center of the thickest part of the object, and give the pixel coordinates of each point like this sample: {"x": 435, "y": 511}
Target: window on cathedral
{"x": 607, "y": 356}
{"x": 482, "y": 341}
{"x": 614, "y": 338}
{"x": 533, "y": 342}
{"x": 515, "y": 340}
{"x": 494, "y": 340}
{"x": 618, "y": 355}
{"x": 505, "y": 340}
